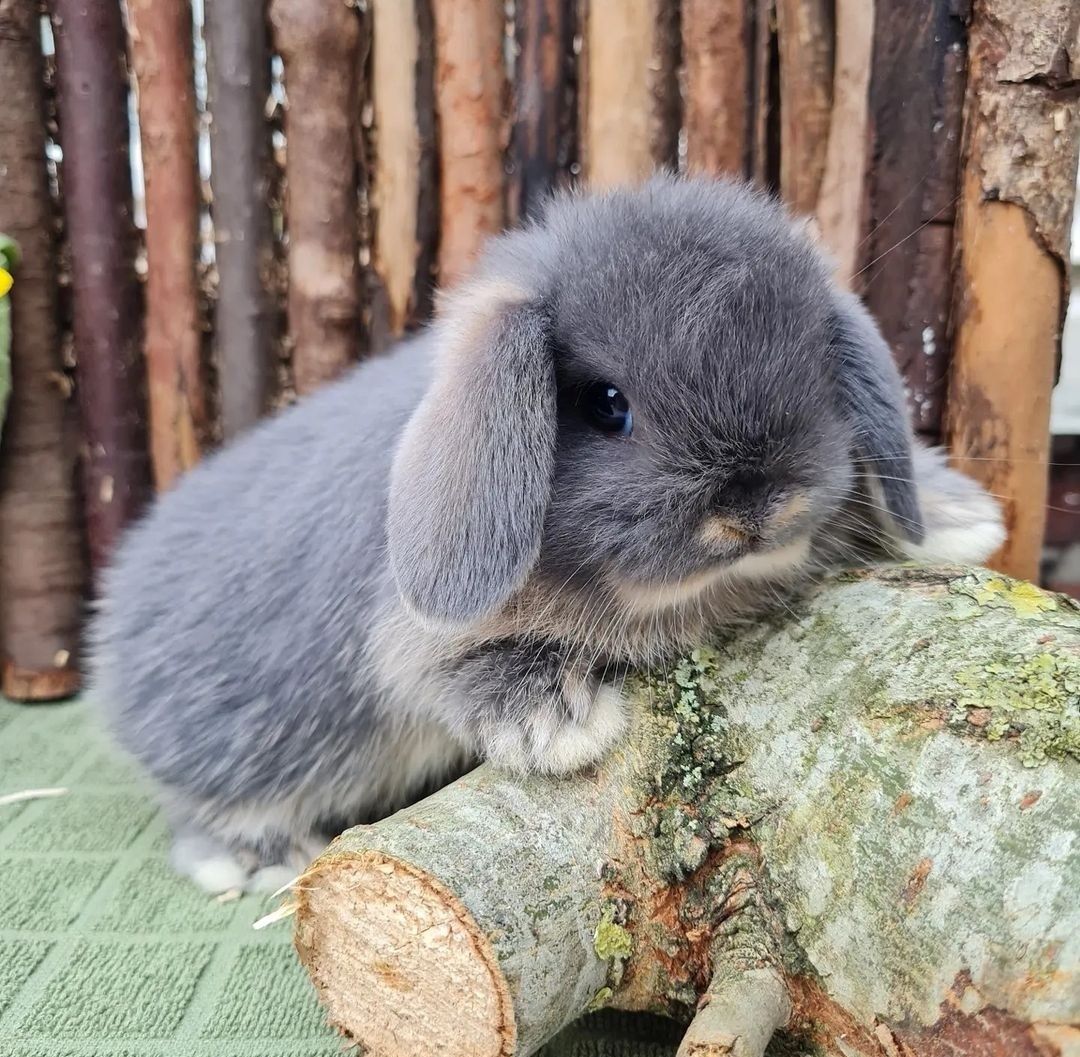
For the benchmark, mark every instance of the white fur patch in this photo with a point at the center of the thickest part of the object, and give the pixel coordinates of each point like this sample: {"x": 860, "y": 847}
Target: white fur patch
{"x": 576, "y": 745}
{"x": 213, "y": 872}
{"x": 969, "y": 544}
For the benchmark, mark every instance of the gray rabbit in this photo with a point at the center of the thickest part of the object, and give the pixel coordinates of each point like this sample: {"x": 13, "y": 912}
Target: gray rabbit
{"x": 648, "y": 414}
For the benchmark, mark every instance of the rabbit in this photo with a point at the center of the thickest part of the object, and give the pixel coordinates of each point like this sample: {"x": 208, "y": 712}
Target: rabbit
{"x": 645, "y": 415}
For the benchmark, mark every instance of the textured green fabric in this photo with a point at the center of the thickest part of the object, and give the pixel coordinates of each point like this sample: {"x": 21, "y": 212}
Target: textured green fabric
{"x": 105, "y": 953}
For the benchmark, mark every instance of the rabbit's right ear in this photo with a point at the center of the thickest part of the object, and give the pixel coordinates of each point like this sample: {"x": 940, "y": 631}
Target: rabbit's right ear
{"x": 470, "y": 480}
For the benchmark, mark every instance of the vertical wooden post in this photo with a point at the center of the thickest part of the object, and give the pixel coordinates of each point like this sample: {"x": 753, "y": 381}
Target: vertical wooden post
{"x": 470, "y": 89}
{"x": 1021, "y": 136}
{"x": 805, "y": 32}
{"x": 916, "y": 113}
{"x": 716, "y": 61}
{"x": 107, "y": 302}
{"x": 765, "y": 98}
{"x": 41, "y": 566}
{"x": 320, "y": 46}
{"x": 238, "y": 79}
{"x": 630, "y": 122}
{"x": 161, "y": 50}
{"x": 404, "y": 167}
{"x": 543, "y": 131}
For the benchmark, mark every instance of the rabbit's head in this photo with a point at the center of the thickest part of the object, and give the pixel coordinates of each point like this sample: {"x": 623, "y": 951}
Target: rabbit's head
{"x": 646, "y": 390}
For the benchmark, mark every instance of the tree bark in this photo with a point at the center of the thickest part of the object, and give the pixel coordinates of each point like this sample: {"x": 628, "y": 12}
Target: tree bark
{"x": 805, "y": 35}
{"x": 916, "y": 115}
{"x": 630, "y": 105}
{"x": 716, "y": 63}
{"x": 543, "y": 134}
{"x": 238, "y": 79}
{"x": 470, "y": 89}
{"x": 404, "y": 168}
{"x": 765, "y": 98}
{"x": 41, "y": 565}
{"x": 161, "y": 50}
{"x": 106, "y": 299}
{"x": 320, "y": 46}
{"x": 1022, "y": 133}
{"x": 854, "y": 821}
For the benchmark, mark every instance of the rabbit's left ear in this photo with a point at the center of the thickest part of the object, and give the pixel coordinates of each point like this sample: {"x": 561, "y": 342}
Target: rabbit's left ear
{"x": 872, "y": 401}
{"x": 470, "y": 480}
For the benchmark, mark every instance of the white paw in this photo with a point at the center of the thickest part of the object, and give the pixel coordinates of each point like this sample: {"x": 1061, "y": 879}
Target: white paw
{"x": 210, "y": 867}
{"x": 575, "y": 744}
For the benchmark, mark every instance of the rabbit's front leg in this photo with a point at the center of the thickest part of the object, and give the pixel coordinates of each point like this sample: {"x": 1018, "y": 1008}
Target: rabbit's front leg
{"x": 529, "y": 706}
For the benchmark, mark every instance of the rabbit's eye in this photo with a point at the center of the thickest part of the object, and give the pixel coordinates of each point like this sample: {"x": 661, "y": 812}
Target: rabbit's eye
{"x": 607, "y": 409}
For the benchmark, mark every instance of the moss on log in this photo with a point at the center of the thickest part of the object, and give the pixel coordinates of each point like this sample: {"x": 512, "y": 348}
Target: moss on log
{"x": 856, "y": 821}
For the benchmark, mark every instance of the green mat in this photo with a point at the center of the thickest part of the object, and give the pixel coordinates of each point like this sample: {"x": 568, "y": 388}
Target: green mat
{"x": 105, "y": 953}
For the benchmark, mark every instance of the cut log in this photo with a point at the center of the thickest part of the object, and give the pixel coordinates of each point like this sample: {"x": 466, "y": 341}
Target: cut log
{"x": 41, "y": 565}
{"x": 238, "y": 83}
{"x": 855, "y": 821}
{"x": 470, "y": 92}
{"x": 630, "y": 102}
{"x": 92, "y": 83}
{"x": 541, "y": 147}
{"x": 805, "y": 37}
{"x": 320, "y": 47}
{"x": 404, "y": 168}
{"x": 161, "y": 51}
{"x": 716, "y": 65}
{"x": 1022, "y": 134}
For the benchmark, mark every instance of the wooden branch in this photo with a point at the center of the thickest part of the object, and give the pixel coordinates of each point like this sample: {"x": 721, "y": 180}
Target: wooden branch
{"x": 630, "y": 104}
{"x": 912, "y": 187}
{"x": 1013, "y": 234}
{"x": 41, "y": 566}
{"x": 238, "y": 80}
{"x": 842, "y": 201}
{"x": 716, "y": 61}
{"x": 470, "y": 89}
{"x": 805, "y": 35}
{"x": 320, "y": 46}
{"x": 543, "y": 134}
{"x": 404, "y": 180}
{"x": 106, "y": 298}
{"x": 870, "y": 797}
{"x": 161, "y": 51}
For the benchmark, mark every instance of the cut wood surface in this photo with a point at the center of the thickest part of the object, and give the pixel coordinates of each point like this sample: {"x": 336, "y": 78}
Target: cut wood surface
{"x": 470, "y": 95}
{"x": 161, "y": 51}
{"x": 238, "y": 80}
{"x": 805, "y": 34}
{"x": 92, "y": 81}
{"x": 1019, "y": 176}
{"x": 630, "y": 100}
{"x": 854, "y": 821}
{"x": 404, "y": 176}
{"x": 320, "y": 46}
{"x": 716, "y": 71}
{"x": 41, "y": 564}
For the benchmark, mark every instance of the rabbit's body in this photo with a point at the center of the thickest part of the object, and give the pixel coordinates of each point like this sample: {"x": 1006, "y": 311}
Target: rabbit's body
{"x": 444, "y": 554}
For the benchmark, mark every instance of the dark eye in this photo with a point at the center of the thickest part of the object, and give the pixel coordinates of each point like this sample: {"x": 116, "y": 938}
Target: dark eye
{"x": 607, "y": 409}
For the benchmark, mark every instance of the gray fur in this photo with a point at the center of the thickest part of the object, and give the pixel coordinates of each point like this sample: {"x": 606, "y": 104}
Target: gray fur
{"x": 308, "y": 630}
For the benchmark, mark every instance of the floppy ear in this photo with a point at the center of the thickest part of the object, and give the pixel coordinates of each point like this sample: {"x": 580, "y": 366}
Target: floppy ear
{"x": 872, "y": 400}
{"x": 470, "y": 480}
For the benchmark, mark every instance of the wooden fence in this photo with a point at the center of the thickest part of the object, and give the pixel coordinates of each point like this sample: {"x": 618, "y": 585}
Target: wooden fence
{"x": 309, "y": 171}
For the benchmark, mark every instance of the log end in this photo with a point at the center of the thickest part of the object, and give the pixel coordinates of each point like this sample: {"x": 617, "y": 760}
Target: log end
{"x": 32, "y": 684}
{"x": 398, "y": 960}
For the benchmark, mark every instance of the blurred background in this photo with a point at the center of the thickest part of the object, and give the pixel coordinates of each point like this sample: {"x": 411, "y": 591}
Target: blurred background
{"x": 222, "y": 206}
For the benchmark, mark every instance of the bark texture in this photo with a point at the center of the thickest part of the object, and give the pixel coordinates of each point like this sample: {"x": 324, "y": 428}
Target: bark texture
{"x": 320, "y": 46}
{"x": 805, "y": 34}
{"x": 404, "y": 167}
{"x": 41, "y": 566}
{"x": 543, "y": 134}
{"x": 916, "y": 116}
{"x": 856, "y": 821}
{"x": 92, "y": 85}
{"x": 470, "y": 91}
{"x": 160, "y": 40}
{"x": 716, "y": 72}
{"x": 765, "y": 96}
{"x": 238, "y": 80}
{"x": 630, "y": 116}
{"x": 1021, "y": 138}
